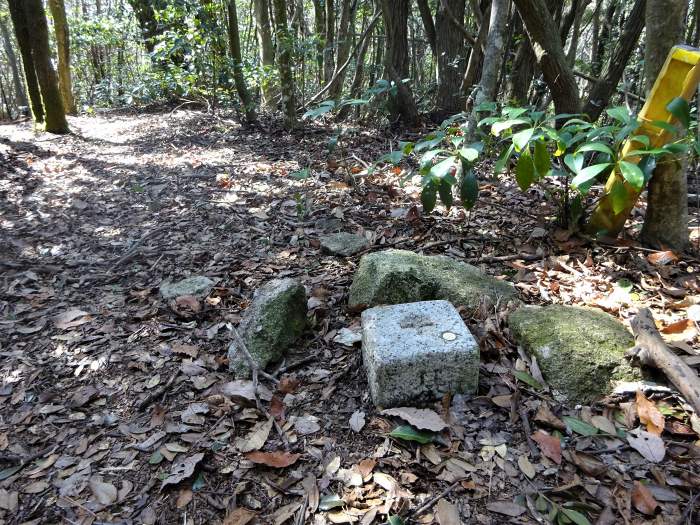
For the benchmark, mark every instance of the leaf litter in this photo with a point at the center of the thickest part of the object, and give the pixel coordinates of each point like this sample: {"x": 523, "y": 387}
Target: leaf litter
{"x": 137, "y": 417}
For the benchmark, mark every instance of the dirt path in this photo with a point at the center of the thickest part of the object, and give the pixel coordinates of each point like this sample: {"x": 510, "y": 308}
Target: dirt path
{"x": 92, "y": 223}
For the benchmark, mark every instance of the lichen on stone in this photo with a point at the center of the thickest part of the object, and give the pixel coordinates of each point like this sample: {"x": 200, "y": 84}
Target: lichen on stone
{"x": 579, "y": 350}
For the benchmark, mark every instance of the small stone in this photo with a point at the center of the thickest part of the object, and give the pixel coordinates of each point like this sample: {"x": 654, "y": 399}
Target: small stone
{"x": 407, "y": 359}
{"x": 581, "y": 351}
{"x": 343, "y": 243}
{"x": 273, "y": 321}
{"x": 401, "y": 276}
{"x": 197, "y": 285}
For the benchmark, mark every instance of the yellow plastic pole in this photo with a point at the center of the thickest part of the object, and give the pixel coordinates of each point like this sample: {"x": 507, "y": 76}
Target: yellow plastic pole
{"x": 679, "y": 77}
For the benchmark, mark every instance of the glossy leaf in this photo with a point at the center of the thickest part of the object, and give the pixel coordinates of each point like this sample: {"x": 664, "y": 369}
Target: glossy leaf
{"x": 500, "y": 127}
{"x": 469, "y": 187}
{"x": 526, "y": 378}
{"x": 620, "y": 114}
{"x": 442, "y": 168}
{"x": 503, "y": 160}
{"x": 589, "y": 173}
{"x": 575, "y": 516}
{"x": 574, "y": 162}
{"x": 409, "y": 433}
{"x": 522, "y": 138}
{"x": 618, "y": 197}
{"x": 632, "y": 174}
{"x": 680, "y": 109}
{"x": 525, "y": 171}
{"x": 428, "y": 197}
{"x": 580, "y": 427}
{"x": 596, "y": 146}
{"x": 543, "y": 162}
{"x": 445, "y": 191}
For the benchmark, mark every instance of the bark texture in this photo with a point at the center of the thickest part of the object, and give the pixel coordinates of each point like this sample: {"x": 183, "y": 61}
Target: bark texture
{"x": 58, "y": 12}
{"x": 261, "y": 9}
{"x": 666, "y": 220}
{"x": 284, "y": 61}
{"x": 234, "y": 42}
{"x": 450, "y": 58}
{"x": 20, "y": 94}
{"x": 19, "y": 22}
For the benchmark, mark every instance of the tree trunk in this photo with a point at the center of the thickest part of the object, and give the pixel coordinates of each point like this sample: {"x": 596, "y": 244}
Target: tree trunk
{"x": 492, "y": 61}
{"x": 267, "y": 52}
{"x": 549, "y": 53}
{"x": 347, "y": 22}
{"x": 358, "y": 77}
{"x": 401, "y": 105}
{"x": 146, "y": 18}
{"x": 234, "y": 43}
{"x": 450, "y": 58}
{"x": 428, "y": 24}
{"x": 19, "y": 22}
{"x": 319, "y": 29}
{"x": 666, "y": 220}
{"x": 521, "y": 73}
{"x": 329, "y": 48}
{"x": 477, "y": 54}
{"x": 284, "y": 61}
{"x": 58, "y": 12}
{"x": 20, "y": 94}
{"x": 603, "y": 90}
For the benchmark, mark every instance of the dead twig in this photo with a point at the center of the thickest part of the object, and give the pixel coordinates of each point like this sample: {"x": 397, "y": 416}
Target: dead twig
{"x": 156, "y": 394}
{"x": 428, "y": 504}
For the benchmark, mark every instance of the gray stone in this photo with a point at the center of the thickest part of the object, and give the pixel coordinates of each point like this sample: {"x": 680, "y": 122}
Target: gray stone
{"x": 343, "y": 243}
{"x": 417, "y": 352}
{"x": 197, "y": 285}
{"x": 273, "y": 321}
{"x": 400, "y": 276}
{"x": 579, "y": 350}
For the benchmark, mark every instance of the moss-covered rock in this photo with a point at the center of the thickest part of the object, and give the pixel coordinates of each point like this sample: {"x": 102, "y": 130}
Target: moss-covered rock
{"x": 579, "y": 350}
{"x": 273, "y": 321}
{"x": 400, "y": 276}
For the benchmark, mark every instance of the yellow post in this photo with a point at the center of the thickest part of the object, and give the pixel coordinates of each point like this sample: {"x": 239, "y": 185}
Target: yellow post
{"x": 679, "y": 77}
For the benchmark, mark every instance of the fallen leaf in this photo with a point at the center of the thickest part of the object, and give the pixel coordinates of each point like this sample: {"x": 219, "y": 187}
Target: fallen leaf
{"x": 8, "y": 500}
{"x": 181, "y": 470}
{"x": 82, "y": 396}
{"x": 544, "y": 415}
{"x": 185, "y": 349}
{"x": 649, "y": 414}
{"x": 282, "y": 514}
{"x": 288, "y": 385}
{"x": 255, "y": 439}
{"x": 588, "y": 463}
{"x": 191, "y": 415}
{"x": 278, "y": 459}
{"x": 105, "y": 493}
{"x": 366, "y": 466}
{"x": 347, "y": 337}
{"x": 357, "y": 421}
{"x": 239, "y": 516}
{"x": 35, "y": 488}
{"x": 421, "y": 418}
{"x": 305, "y": 425}
{"x": 603, "y": 424}
{"x": 71, "y": 319}
{"x": 549, "y": 445}
{"x": 527, "y": 468}
{"x": 648, "y": 445}
{"x": 447, "y": 513}
{"x": 643, "y": 500}
{"x": 662, "y": 258}
{"x": 507, "y": 508}
{"x": 184, "y": 498}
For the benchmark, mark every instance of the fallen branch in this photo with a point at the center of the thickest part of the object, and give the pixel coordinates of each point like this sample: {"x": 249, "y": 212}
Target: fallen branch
{"x": 651, "y": 350}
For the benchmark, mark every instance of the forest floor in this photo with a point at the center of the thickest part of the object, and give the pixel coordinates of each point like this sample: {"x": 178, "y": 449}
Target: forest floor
{"x": 116, "y": 409}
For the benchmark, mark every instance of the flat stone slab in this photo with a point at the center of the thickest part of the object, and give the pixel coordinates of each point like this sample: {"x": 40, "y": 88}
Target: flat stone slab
{"x": 197, "y": 285}
{"x": 343, "y": 243}
{"x": 581, "y": 351}
{"x": 418, "y": 352}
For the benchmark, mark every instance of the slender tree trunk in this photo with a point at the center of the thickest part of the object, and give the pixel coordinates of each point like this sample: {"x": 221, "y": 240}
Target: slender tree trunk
{"x": 449, "y": 43}
{"x": 428, "y": 24}
{"x": 320, "y": 30}
{"x": 605, "y": 37}
{"x": 492, "y": 60}
{"x": 58, "y": 12}
{"x": 603, "y": 90}
{"x": 358, "y": 77}
{"x": 329, "y": 48}
{"x": 267, "y": 52}
{"x": 521, "y": 74}
{"x": 234, "y": 43}
{"x": 666, "y": 220}
{"x": 20, "y": 94}
{"x": 21, "y": 25}
{"x": 284, "y": 61}
{"x": 396, "y": 60}
{"x": 347, "y": 22}
{"x": 549, "y": 54}
{"x": 471, "y": 74}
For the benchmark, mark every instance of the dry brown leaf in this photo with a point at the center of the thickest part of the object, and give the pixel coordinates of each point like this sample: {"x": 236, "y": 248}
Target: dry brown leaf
{"x": 105, "y": 493}
{"x": 549, "y": 445}
{"x": 648, "y": 445}
{"x": 662, "y": 258}
{"x": 366, "y": 466}
{"x": 527, "y": 468}
{"x": 183, "y": 469}
{"x": 71, "y": 319}
{"x": 604, "y": 424}
{"x": 278, "y": 459}
{"x": 185, "y": 349}
{"x": 447, "y": 513}
{"x": 255, "y": 439}
{"x": 545, "y": 416}
{"x": 643, "y": 500}
{"x": 421, "y": 418}
{"x": 588, "y": 463}
{"x": 239, "y": 516}
{"x": 183, "y": 498}
{"x": 8, "y": 500}
{"x": 649, "y": 414}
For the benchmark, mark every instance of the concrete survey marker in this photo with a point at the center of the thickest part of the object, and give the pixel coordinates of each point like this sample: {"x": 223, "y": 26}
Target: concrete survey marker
{"x": 418, "y": 352}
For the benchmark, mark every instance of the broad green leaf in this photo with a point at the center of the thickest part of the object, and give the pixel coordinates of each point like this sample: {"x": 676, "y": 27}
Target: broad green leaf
{"x": 647, "y": 165}
{"x": 500, "y": 127}
{"x": 469, "y": 187}
{"x": 354, "y": 102}
{"x": 644, "y": 152}
{"x": 580, "y": 427}
{"x": 589, "y": 173}
{"x": 427, "y": 159}
{"x": 325, "y": 107}
{"x": 428, "y": 197}
{"x": 619, "y": 197}
{"x": 642, "y": 139}
{"x": 442, "y": 168}
{"x": 395, "y": 520}
{"x": 394, "y": 157}
{"x": 680, "y": 109}
{"x": 409, "y": 433}
{"x": 469, "y": 153}
{"x": 574, "y": 162}
{"x": 527, "y": 379}
{"x": 620, "y": 114}
{"x": 503, "y": 159}
{"x": 156, "y": 458}
{"x": 670, "y": 128}
{"x": 596, "y": 146}
{"x": 676, "y": 148}
{"x": 576, "y": 517}
{"x": 511, "y": 112}
{"x": 632, "y": 174}
{"x": 430, "y": 142}
{"x": 525, "y": 171}
{"x": 543, "y": 163}
{"x": 330, "y": 502}
{"x": 9, "y": 471}
{"x": 445, "y": 191}
{"x": 301, "y": 174}
{"x": 522, "y": 138}
{"x": 406, "y": 147}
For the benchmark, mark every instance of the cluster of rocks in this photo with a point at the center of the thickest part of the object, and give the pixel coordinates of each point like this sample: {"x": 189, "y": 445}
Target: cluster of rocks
{"x": 415, "y": 345}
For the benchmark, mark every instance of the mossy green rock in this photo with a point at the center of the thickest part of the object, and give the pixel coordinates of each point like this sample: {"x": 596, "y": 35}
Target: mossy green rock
{"x": 579, "y": 350}
{"x": 400, "y": 276}
{"x": 273, "y": 321}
